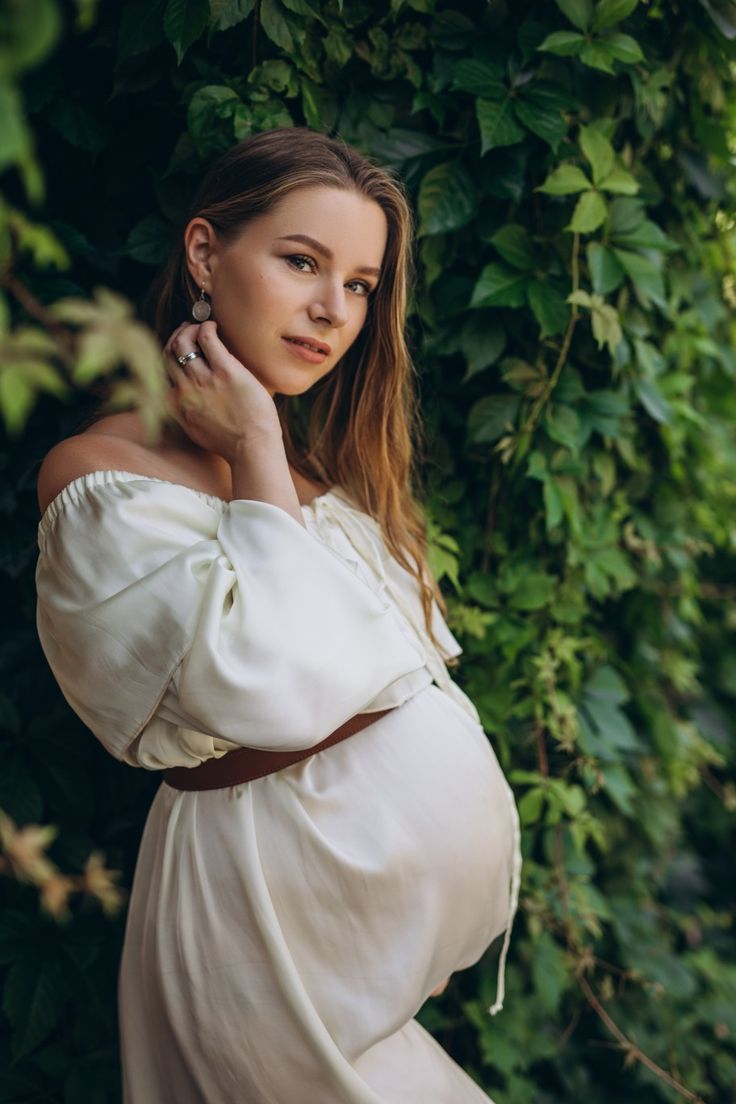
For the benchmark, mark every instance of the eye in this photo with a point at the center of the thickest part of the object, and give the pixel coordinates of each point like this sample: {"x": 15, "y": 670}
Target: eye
{"x": 365, "y": 289}
{"x": 296, "y": 260}
{"x": 302, "y": 263}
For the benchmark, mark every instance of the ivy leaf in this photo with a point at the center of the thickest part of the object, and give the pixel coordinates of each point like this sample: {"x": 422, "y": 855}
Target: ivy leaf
{"x": 514, "y": 245}
{"x": 184, "y": 22}
{"x": 563, "y": 43}
{"x": 540, "y": 109}
{"x": 590, "y": 213}
{"x": 533, "y": 591}
{"x": 276, "y": 26}
{"x": 606, "y": 273}
{"x": 548, "y": 307}
{"x": 302, "y": 7}
{"x": 497, "y": 122}
{"x": 225, "y": 14}
{"x": 622, "y": 47}
{"x": 608, "y": 12}
{"x": 140, "y": 29}
{"x": 579, "y": 12}
{"x": 553, "y": 512}
{"x": 597, "y": 57}
{"x": 209, "y": 105}
{"x": 562, "y": 424}
{"x": 33, "y": 1000}
{"x": 499, "y": 286}
{"x": 653, "y": 401}
{"x": 149, "y": 241}
{"x": 564, "y": 180}
{"x": 620, "y": 182}
{"x": 481, "y": 78}
{"x": 447, "y": 199}
{"x": 647, "y": 235}
{"x": 644, "y": 275}
{"x": 598, "y": 152}
{"x": 491, "y": 417}
{"x": 618, "y": 784}
{"x": 482, "y": 341}
{"x": 604, "y": 318}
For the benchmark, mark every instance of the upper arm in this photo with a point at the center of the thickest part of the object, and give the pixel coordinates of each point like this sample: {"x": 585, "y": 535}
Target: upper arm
{"x": 80, "y": 455}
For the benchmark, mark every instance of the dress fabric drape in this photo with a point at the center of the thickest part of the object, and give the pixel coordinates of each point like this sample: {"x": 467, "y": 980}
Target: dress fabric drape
{"x": 283, "y": 933}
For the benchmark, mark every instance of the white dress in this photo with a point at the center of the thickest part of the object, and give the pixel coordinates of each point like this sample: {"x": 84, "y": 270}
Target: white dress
{"x": 282, "y": 933}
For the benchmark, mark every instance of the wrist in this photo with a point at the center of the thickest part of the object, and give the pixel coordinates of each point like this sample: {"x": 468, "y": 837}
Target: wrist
{"x": 263, "y": 437}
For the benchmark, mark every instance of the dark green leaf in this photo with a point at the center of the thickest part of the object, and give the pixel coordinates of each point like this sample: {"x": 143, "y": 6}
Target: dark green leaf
{"x": 622, "y": 47}
{"x": 184, "y": 22}
{"x": 141, "y": 27}
{"x": 33, "y": 1000}
{"x": 549, "y": 972}
{"x": 276, "y": 25}
{"x": 514, "y": 245}
{"x": 653, "y": 401}
{"x": 533, "y": 591}
{"x": 563, "y": 43}
{"x": 644, "y": 275}
{"x": 597, "y": 57}
{"x": 447, "y": 198}
{"x": 606, "y": 273}
{"x": 540, "y": 109}
{"x": 482, "y": 341}
{"x": 548, "y": 306}
{"x": 562, "y": 424}
{"x": 482, "y": 78}
{"x": 497, "y": 122}
{"x": 150, "y": 241}
{"x": 491, "y": 417}
{"x": 499, "y": 286}
{"x": 579, "y": 12}
{"x": 620, "y": 787}
{"x": 647, "y": 235}
{"x": 608, "y": 12}
{"x": 228, "y": 13}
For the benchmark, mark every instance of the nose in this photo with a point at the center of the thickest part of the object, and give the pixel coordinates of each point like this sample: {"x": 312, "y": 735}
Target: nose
{"x": 330, "y": 305}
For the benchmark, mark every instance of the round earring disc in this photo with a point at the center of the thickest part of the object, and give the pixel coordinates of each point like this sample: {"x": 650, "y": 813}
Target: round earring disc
{"x": 201, "y": 310}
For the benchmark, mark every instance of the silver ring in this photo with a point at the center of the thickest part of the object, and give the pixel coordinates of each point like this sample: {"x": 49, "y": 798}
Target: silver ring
{"x": 186, "y": 357}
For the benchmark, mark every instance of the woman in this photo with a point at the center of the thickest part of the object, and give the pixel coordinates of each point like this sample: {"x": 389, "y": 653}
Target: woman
{"x": 245, "y": 605}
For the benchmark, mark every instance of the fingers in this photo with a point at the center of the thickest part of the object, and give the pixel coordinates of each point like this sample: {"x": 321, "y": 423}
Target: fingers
{"x": 185, "y": 339}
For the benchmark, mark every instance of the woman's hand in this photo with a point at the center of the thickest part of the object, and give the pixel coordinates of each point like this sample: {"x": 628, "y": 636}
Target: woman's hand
{"x": 218, "y": 403}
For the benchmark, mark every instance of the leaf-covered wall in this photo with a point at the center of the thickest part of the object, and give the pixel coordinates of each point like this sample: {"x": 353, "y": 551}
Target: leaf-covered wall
{"x": 570, "y": 165}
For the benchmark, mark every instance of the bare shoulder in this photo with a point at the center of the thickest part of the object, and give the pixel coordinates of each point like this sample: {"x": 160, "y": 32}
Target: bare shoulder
{"x": 98, "y": 449}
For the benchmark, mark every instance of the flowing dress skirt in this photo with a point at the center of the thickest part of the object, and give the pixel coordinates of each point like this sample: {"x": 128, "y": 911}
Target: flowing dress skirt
{"x": 282, "y": 934}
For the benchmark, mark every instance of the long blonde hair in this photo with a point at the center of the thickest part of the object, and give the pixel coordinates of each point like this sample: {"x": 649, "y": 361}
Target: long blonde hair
{"x": 359, "y": 428}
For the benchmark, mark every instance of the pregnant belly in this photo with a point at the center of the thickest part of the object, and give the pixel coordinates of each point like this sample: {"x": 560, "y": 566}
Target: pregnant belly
{"x": 398, "y": 866}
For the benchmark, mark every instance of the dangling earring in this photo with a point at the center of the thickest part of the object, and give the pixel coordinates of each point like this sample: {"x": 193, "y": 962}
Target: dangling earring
{"x": 201, "y": 309}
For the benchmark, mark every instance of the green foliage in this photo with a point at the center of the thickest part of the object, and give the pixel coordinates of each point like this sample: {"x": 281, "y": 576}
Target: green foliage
{"x": 570, "y": 165}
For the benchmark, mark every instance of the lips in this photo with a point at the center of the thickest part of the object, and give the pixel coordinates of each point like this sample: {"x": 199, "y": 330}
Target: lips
{"x": 310, "y": 343}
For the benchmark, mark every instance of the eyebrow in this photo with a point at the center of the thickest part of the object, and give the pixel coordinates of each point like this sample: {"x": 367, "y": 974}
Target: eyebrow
{"x": 323, "y": 249}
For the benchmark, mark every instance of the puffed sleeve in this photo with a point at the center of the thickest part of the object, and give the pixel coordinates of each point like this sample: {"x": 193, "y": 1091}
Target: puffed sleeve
{"x": 267, "y": 636}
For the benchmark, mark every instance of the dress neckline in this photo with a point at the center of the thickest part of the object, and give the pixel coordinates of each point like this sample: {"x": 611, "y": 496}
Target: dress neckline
{"x": 129, "y": 476}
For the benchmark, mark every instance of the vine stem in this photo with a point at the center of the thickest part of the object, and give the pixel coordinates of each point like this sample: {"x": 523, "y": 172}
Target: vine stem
{"x": 564, "y": 348}
{"x": 631, "y": 1049}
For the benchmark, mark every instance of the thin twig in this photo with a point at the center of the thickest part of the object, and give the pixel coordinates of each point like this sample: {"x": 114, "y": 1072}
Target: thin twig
{"x": 630, "y": 1048}
{"x": 566, "y": 343}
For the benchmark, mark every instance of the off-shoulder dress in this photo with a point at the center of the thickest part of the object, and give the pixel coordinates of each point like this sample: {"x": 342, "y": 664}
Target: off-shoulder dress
{"x": 283, "y": 933}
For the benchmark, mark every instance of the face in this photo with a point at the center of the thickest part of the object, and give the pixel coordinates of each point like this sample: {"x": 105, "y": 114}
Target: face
{"x": 305, "y": 272}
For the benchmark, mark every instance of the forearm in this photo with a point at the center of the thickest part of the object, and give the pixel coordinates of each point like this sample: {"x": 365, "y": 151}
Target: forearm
{"x": 261, "y": 472}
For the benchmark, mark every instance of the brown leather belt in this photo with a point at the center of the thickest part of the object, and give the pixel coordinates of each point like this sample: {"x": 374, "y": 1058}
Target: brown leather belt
{"x": 245, "y": 764}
